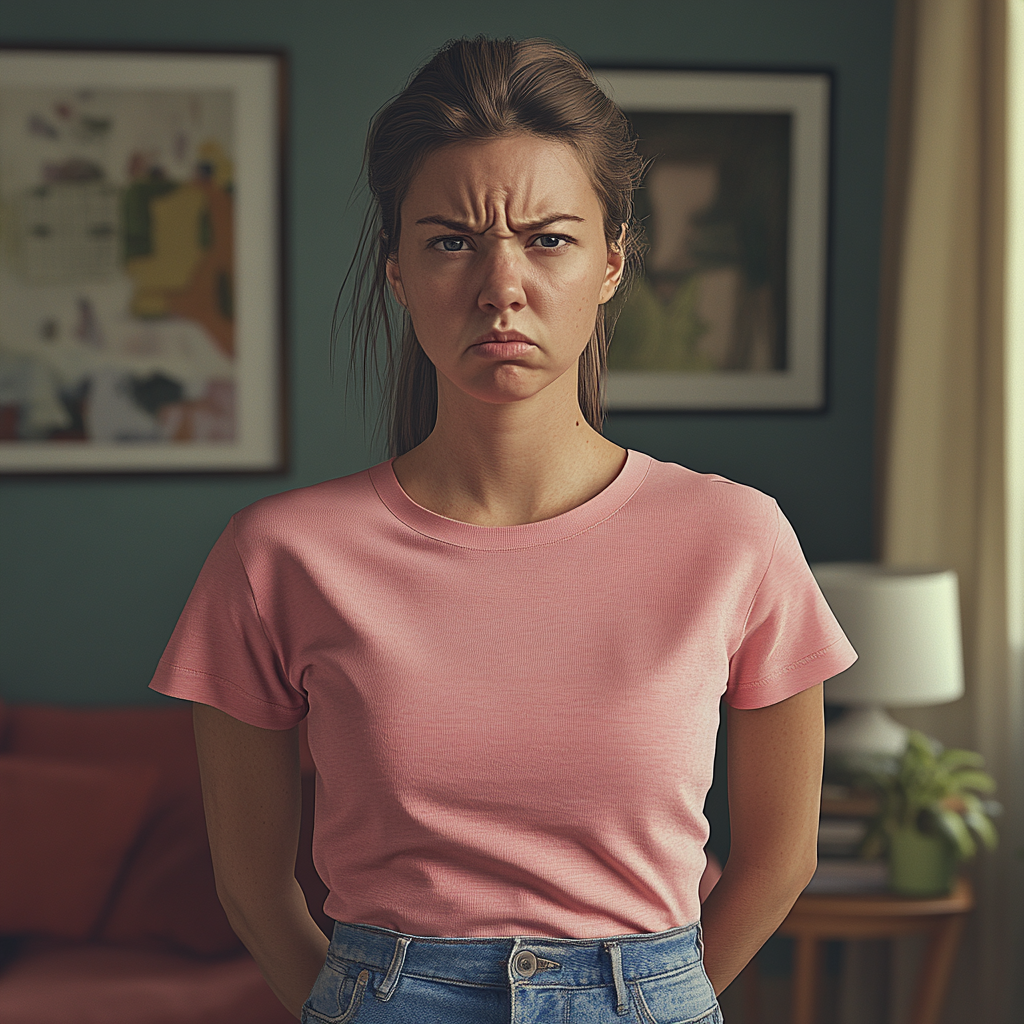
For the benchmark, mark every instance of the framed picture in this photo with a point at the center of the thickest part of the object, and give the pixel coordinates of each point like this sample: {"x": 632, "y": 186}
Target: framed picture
{"x": 730, "y": 313}
{"x": 141, "y": 301}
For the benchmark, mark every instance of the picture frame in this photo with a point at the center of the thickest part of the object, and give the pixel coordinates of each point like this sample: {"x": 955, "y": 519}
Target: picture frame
{"x": 730, "y": 313}
{"x": 142, "y": 301}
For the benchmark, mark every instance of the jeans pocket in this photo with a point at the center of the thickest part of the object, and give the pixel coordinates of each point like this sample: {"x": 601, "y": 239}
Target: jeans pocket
{"x": 683, "y": 997}
{"x": 337, "y": 994}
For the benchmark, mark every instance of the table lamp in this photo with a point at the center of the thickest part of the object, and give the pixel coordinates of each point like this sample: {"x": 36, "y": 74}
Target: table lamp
{"x": 905, "y": 627}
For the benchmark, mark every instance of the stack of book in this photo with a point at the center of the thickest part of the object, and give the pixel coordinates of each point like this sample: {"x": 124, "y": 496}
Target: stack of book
{"x": 845, "y": 817}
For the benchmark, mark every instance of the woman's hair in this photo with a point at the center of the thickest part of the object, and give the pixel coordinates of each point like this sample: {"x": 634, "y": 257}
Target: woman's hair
{"x": 475, "y": 90}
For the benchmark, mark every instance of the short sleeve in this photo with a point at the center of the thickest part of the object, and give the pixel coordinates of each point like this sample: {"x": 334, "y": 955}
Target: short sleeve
{"x": 791, "y": 640}
{"x": 220, "y": 653}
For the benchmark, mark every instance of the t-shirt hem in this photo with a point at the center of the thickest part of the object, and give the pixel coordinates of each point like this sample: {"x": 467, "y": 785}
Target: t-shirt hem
{"x": 193, "y": 685}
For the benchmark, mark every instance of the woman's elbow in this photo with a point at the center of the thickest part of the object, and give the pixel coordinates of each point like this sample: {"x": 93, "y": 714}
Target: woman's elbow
{"x": 245, "y": 895}
{"x": 785, "y": 873}
{"x": 236, "y": 900}
{"x": 802, "y": 860}
{"x": 806, "y": 867}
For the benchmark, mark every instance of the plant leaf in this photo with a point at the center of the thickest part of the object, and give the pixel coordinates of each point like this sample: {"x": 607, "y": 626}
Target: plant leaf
{"x": 971, "y": 779}
{"x": 954, "y": 759}
{"x": 919, "y": 748}
{"x": 980, "y": 825}
{"x": 953, "y": 827}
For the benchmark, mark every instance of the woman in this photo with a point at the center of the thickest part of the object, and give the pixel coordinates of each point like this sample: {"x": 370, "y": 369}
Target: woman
{"x": 511, "y": 640}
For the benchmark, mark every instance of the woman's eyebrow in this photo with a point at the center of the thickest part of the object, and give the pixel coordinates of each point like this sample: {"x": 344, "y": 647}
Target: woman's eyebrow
{"x": 543, "y": 222}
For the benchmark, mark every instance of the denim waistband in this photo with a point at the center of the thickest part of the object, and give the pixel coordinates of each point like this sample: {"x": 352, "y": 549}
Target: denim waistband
{"x": 534, "y": 960}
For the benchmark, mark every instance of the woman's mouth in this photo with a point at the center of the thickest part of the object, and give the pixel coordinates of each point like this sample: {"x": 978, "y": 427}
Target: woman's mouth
{"x": 502, "y": 345}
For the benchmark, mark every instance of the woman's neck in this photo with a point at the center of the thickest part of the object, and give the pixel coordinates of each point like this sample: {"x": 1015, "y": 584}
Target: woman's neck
{"x": 504, "y": 465}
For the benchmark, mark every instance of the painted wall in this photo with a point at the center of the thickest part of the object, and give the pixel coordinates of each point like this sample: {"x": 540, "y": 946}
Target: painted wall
{"x": 93, "y": 572}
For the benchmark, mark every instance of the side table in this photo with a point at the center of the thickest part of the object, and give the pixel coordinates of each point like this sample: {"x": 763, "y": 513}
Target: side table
{"x": 815, "y": 918}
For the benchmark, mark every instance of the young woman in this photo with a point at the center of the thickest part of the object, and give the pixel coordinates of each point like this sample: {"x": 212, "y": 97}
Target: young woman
{"x": 510, "y": 641}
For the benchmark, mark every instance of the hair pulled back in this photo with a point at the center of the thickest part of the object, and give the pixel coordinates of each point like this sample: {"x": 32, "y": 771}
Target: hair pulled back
{"x": 476, "y": 90}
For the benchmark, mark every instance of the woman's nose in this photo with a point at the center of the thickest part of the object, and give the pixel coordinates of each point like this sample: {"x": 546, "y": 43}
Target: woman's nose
{"x": 503, "y": 285}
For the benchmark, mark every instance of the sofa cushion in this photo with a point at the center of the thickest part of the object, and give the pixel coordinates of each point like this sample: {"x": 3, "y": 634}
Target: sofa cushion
{"x": 95, "y": 984}
{"x": 67, "y": 828}
{"x": 166, "y": 897}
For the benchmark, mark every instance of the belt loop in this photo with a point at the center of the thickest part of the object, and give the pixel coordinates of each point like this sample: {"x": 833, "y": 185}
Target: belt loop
{"x": 615, "y": 952}
{"x": 387, "y": 986}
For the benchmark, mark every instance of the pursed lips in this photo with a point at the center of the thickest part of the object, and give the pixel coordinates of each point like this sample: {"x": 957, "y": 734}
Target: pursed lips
{"x": 501, "y": 336}
{"x": 503, "y": 344}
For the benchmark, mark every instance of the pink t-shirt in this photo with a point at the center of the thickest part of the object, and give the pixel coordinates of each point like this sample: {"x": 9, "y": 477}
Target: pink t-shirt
{"x": 513, "y": 727}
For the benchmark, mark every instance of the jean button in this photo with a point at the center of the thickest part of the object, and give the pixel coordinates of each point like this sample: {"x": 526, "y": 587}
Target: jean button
{"x": 525, "y": 964}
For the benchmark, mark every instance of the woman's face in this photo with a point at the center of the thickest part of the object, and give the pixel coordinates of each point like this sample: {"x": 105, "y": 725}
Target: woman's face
{"x": 502, "y": 264}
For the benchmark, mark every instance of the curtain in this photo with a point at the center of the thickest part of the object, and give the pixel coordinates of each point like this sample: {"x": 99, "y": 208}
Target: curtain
{"x": 948, "y": 490}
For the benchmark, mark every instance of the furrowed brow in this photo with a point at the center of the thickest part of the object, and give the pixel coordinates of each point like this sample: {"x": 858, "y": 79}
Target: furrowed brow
{"x": 544, "y": 222}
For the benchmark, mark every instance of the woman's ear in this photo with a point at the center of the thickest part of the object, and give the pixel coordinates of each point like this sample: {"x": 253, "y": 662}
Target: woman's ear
{"x": 394, "y": 276}
{"x": 616, "y": 265}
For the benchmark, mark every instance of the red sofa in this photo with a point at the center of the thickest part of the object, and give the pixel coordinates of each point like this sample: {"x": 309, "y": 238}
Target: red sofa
{"x": 108, "y": 910}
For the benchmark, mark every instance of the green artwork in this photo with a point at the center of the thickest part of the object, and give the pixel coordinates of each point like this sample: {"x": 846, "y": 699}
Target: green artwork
{"x": 715, "y": 207}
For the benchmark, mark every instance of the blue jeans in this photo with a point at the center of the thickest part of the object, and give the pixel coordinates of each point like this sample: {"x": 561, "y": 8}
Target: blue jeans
{"x": 377, "y": 976}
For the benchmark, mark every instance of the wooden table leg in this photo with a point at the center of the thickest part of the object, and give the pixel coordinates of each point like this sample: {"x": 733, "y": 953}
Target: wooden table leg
{"x": 936, "y": 969}
{"x": 805, "y": 980}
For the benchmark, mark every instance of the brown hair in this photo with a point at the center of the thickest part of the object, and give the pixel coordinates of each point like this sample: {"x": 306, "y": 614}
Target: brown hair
{"x": 477, "y": 90}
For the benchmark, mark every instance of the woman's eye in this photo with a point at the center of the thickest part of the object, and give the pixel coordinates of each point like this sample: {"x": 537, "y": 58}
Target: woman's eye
{"x": 550, "y": 241}
{"x": 450, "y": 244}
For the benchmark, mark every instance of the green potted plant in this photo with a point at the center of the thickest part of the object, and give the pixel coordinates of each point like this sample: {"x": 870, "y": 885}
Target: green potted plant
{"x": 930, "y": 816}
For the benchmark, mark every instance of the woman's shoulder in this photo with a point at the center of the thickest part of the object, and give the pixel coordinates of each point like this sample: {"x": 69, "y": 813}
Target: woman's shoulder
{"x": 705, "y": 515}
{"x": 712, "y": 498}
{"x": 347, "y": 500}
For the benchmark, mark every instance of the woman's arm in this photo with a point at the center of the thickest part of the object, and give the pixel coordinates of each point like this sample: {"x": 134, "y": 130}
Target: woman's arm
{"x": 253, "y": 800}
{"x": 775, "y": 761}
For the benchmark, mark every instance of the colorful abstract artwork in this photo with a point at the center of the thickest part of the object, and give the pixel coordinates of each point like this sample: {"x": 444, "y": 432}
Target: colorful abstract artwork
{"x": 122, "y": 344}
{"x": 730, "y": 310}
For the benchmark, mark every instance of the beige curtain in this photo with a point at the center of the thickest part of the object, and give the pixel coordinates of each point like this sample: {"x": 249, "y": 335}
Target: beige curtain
{"x": 943, "y": 484}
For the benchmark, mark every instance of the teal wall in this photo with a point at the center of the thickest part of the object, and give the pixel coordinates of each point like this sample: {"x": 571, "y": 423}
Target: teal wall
{"x": 93, "y": 572}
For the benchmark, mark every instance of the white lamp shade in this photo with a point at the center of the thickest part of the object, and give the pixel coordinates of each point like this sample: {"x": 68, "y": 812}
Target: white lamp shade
{"x": 904, "y": 625}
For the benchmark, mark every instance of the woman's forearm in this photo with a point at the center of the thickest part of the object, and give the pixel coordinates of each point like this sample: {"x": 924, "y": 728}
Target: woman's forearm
{"x": 775, "y": 758}
{"x": 742, "y": 911}
{"x": 284, "y": 940}
{"x": 253, "y": 799}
